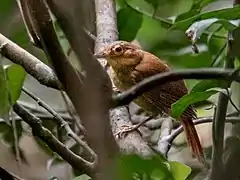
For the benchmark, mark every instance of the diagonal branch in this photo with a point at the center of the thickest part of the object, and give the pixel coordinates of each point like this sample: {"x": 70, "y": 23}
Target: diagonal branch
{"x": 61, "y": 121}
{"x": 33, "y": 66}
{"x": 169, "y": 139}
{"x": 46, "y": 136}
{"x": 162, "y": 78}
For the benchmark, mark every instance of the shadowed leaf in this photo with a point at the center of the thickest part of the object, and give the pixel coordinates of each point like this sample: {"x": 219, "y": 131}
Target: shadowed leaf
{"x": 134, "y": 167}
{"x": 129, "y": 22}
{"x": 15, "y": 78}
{"x": 208, "y": 84}
{"x": 227, "y": 14}
{"x": 181, "y": 105}
{"x": 179, "y": 171}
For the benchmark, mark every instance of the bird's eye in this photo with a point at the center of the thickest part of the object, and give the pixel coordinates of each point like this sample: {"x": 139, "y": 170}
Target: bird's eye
{"x": 118, "y": 49}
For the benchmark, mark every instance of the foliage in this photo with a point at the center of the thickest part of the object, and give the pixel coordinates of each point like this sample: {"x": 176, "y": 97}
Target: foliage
{"x": 133, "y": 167}
{"x": 168, "y": 29}
{"x": 11, "y": 82}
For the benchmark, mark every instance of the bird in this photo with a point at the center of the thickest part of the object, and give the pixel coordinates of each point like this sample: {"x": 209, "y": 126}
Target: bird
{"x": 131, "y": 64}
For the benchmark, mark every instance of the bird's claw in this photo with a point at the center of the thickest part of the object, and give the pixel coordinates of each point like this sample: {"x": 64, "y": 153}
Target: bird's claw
{"x": 124, "y": 130}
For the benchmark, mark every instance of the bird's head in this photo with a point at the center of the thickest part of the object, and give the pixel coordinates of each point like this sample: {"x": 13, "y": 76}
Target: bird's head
{"x": 121, "y": 54}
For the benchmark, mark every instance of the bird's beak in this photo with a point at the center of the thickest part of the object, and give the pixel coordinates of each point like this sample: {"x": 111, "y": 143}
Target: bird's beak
{"x": 100, "y": 54}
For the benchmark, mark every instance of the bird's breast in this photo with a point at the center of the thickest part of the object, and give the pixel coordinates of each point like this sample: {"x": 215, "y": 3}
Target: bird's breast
{"x": 146, "y": 101}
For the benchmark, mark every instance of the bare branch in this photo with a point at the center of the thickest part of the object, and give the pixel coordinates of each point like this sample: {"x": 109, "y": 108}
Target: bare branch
{"x": 133, "y": 143}
{"x": 107, "y": 33}
{"x": 163, "y": 143}
{"x": 46, "y": 136}
{"x": 180, "y": 129}
{"x": 22, "y": 4}
{"x": 200, "y": 121}
{"x": 90, "y": 96}
{"x": 162, "y": 78}
{"x": 31, "y": 64}
{"x": 62, "y": 122}
{"x": 106, "y": 25}
{"x": 72, "y": 113}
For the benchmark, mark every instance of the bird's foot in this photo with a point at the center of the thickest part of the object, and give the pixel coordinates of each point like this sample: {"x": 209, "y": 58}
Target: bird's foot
{"x": 125, "y": 129}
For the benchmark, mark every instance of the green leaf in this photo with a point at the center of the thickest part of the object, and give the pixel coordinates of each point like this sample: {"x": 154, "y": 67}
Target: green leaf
{"x": 195, "y": 31}
{"x": 152, "y": 168}
{"x": 208, "y": 84}
{"x": 186, "y": 15}
{"x": 154, "y": 3}
{"x": 199, "y": 4}
{"x": 181, "y": 105}
{"x": 4, "y": 94}
{"x": 227, "y": 14}
{"x": 129, "y": 21}
{"x": 5, "y": 9}
{"x": 82, "y": 177}
{"x": 11, "y": 81}
{"x": 15, "y": 78}
{"x": 143, "y": 7}
{"x": 179, "y": 171}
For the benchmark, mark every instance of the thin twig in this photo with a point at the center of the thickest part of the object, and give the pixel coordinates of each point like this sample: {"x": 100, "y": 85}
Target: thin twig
{"x": 71, "y": 113}
{"x": 166, "y": 23}
{"x": 61, "y": 121}
{"x": 16, "y": 144}
{"x": 203, "y": 120}
{"x": 28, "y": 23}
{"x": 46, "y": 136}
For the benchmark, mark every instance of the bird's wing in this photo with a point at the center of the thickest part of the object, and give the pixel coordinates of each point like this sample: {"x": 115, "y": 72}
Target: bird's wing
{"x": 165, "y": 94}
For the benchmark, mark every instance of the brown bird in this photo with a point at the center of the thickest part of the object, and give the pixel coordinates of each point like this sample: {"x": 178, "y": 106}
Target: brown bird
{"x": 131, "y": 65}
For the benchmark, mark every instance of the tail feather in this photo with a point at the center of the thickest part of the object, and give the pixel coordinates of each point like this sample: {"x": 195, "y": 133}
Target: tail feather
{"x": 193, "y": 139}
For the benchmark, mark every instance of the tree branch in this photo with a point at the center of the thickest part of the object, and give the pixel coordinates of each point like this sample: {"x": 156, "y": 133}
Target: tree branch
{"x": 132, "y": 143}
{"x": 90, "y": 96}
{"x": 28, "y": 23}
{"x": 162, "y": 78}
{"x": 107, "y": 33}
{"x": 163, "y": 143}
{"x": 62, "y": 122}
{"x": 31, "y": 64}
{"x": 217, "y": 172}
{"x": 46, "y": 136}
{"x": 169, "y": 139}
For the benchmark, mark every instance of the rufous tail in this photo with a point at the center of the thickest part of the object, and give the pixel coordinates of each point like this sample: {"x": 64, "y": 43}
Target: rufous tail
{"x": 193, "y": 139}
